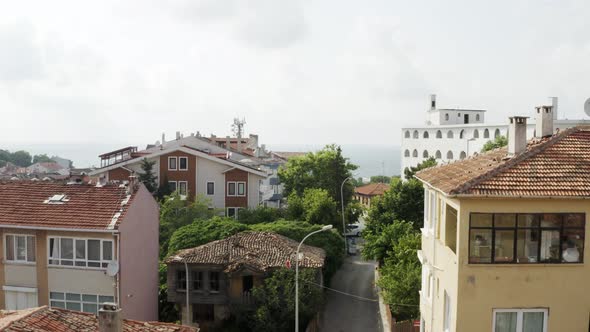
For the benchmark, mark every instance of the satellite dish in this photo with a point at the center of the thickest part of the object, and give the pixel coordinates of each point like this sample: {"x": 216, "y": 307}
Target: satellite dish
{"x": 587, "y": 107}
{"x": 112, "y": 268}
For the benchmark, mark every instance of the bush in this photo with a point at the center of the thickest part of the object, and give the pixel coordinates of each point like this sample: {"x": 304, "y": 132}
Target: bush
{"x": 204, "y": 231}
{"x": 260, "y": 214}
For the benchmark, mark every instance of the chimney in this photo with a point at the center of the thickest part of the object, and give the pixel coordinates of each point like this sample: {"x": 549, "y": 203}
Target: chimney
{"x": 432, "y": 102}
{"x": 239, "y": 148}
{"x": 110, "y": 318}
{"x": 544, "y": 122}
{"x": 517, "y": 135}
{"x": 554, "y": 105}
{"x": 177, "y": 135}
{"x": 163, "y": 138}
{"x": 227, "y": 142}
{"x": 132, "y": 186}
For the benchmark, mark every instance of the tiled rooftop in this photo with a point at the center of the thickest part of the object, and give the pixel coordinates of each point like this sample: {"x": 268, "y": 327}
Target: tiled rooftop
{"x": 23, "y": 203}
{"x": 61, "y": 320}
{"x": 258, "y": 250}
{"x": 372, "y": 189}
{"x": 557, "y": 166}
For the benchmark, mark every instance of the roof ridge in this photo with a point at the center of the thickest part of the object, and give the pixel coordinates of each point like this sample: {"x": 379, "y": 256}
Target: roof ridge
{"x": 533, "y": 151}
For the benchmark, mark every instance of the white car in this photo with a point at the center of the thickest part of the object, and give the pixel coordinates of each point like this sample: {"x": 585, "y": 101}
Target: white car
{"x": 354, "y": 229}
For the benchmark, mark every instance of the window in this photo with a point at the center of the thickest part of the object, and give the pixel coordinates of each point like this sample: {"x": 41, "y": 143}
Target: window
{"x": 450, "y": 134}
{"x": 462, "y": 155}
{"x": 203, "y": 312}
{"x": 461, "y": 134}
{"x": 438, "y": 155}
{"x": 415, "y": 153}
{"x": 486, "y": 133}
{"x": 438, "y": 134}
{"x": 447, "y": 313}
{"x": 241, "y": 188}
{"x": 236, "y": 189}
{"x": 214, "y": 281}
{"x": 172, "y": 185}
{"x": 210, "y": 188}
{"x": 231, "y": 189}
{"x": 520, "y": 320}
{"x": 425, "y": 135}
{"x": 407, "y": 134}
{"x": 433, "y": 211}
{"x": 197, "y": 280}
{"x": 79, "y": 302}
{"x": 476, "y": 133}
{"x": 477, "y": 117}
{"x": 87, "y": 253}
{"x": 20, "y": 248}
{"x": 526, "y": 238}
{"x": 496, "y": 133}
{"x": 182, "y": 163}
{"x": 450, "y": 155}
{"x": 172, "y": 163}
{"x": 415, "y": 134}
{"x": 446, "y": 116}
{"x": 233, "y": 212}
{"x": 425, "y": 154}
{"x": 182, "y": 188}
{"x": 426, "y": 200}
{"x": 407, "y": 153}
{"x": 181, "y": 280}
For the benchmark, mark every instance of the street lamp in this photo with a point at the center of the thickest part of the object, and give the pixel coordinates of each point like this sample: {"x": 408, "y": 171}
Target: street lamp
{"x": 325, "y": 228}
{"x": 343, "y": 222}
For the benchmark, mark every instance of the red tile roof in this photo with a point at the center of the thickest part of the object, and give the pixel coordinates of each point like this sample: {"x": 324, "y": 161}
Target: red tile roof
{"x": 557, "y": 166}
{"x": 61, "y": 320}
{"x": 372, "y": 189}
{"x": 258, "y": 250}
{"x": 22, "y": 203}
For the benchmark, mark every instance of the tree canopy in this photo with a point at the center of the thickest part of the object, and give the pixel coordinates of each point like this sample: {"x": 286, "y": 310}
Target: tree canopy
{"x": 200, "y": 232}
{"x": 41, "y": 158}
{"x": 18, "y": 158}
{"x": 147, "y": 177}
{"x": 498, "y": 142}
{"x": 411, "y": 171}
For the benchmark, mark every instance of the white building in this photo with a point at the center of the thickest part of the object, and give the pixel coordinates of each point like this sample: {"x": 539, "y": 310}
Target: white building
{"x": 452, "y": 134}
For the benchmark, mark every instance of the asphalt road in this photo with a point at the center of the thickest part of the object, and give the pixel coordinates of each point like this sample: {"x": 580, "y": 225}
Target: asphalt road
{"x": 345, "y": 313}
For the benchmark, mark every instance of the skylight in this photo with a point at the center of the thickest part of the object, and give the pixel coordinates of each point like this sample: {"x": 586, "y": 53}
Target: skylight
{"x": 57, "y": 199}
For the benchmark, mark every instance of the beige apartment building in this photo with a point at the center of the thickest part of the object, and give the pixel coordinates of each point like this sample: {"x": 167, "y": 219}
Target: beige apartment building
{"x": 74, "y": 246}
{"x": 503, "y": 243}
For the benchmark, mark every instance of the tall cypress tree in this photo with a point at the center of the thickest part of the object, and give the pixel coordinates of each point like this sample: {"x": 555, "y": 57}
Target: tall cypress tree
{"x": 147, "y": 177}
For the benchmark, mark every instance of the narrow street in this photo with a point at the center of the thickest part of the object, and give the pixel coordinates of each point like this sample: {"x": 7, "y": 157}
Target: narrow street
{"x": 345, "y": 313}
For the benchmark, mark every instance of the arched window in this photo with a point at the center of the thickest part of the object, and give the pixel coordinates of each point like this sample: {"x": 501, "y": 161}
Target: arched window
{"x": 415, "y": 153}
{"x": 438, "y": 155}
{"x": 407, "y": 134}
{"x": 477, "y": 117}
{"x": 486, "y": 133}
{"x": 446, "y": 116}
{"x": 425, "y": 154}
{"x": 450, "y": 134}
{"x": 497, "y": 133}
{"x": 461, "y": 133}
{"x": 407, "y": 153}
{"x": 463, "y": 155}
{"x": 450, "y": 155}
{"x": 416, "y": 135}
{"x": 438, "y": 134}
{"x": 476, "y": 133}
{"x": 425, "y": 135}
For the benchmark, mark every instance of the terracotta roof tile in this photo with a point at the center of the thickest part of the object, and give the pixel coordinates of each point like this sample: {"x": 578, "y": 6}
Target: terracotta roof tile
{"x": 258, "y": 250}
{"x": 372, "y": 189}
{"x": 553, "y": 166}
{"x": 22, "y": 203}
{"x": 54, "y": 319}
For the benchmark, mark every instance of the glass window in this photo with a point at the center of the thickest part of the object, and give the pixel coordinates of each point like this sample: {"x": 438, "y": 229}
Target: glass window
{"x": 480, "y": 250}
{"x": 20, "y": 248}
{"x": 54, "y": 251}
{"x": 104, "y": 299}
{"x": 67, "y": 251}
{"x": 107, "y": 250}
{"x": 231, "y": 212}
{"x": 504, "y": 220}
{"x": 172, "y": 185}
{"x": 481, "y": 220}
{"x": 73, "y": 306}
{"x": 532, "y": 321}
{"x": 520, "y": 320}
{"x": 90, "y": 307}
{"x": 182, "y": 187}
{"x": 80, "y": 252}
{"x": 198, "y": 280}
{"x": 210, "y": 188}
{"x": 214, "y": 281}
{"x": 506, "y": 322}
{"x": 241, "y": 189}
{"x": 10, "y": 247}
{"x": 180, "y": 279}
{"x": 527, "y": 245}
{"x": 30, "y": 248}
{"x": 79, "y": 302}
{"x": 504, "y": 248}
{"x": 172, "y": 163}
{"x": 231, "y": 189}
{"x": 183, "y": 163}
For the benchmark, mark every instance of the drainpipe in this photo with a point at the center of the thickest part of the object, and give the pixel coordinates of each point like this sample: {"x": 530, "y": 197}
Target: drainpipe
{"x": 435, "y": 220}
{"x": 118, "y": 277}
{"x": 188, "y": 320}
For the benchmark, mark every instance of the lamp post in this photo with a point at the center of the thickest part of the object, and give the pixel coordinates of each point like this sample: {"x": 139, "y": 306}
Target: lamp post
{"x": 325, "y": 228}
{"x": 343, "y": 222}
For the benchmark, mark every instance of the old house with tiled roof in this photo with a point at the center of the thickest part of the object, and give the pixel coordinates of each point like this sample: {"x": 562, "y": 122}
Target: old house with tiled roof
{"x": 504, "y": 239}
{"x": 75, "y": 246}
{"x": 222, "y": 273}
{"x": 364, "y": 194}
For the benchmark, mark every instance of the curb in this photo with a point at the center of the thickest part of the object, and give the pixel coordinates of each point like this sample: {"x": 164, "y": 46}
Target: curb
{"x": 385, "y": 321}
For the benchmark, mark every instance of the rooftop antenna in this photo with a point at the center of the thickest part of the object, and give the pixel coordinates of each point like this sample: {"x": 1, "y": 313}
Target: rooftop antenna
{"x": 238, "y": 127}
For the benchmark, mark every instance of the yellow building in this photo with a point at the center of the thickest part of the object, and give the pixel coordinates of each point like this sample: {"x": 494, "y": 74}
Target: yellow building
{"x": 503, "y": 241}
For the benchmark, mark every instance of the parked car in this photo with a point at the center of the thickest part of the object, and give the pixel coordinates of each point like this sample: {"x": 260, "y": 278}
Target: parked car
{"x": 354, "y": 229}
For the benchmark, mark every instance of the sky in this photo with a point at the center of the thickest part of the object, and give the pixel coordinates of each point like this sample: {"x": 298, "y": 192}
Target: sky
{"x": 86, "y": 77}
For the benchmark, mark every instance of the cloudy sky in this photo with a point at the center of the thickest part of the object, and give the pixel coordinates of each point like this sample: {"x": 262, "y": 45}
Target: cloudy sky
{"x": 299, "y": 71}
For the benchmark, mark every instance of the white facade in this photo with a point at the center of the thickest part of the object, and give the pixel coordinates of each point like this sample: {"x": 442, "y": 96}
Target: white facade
{"x": 449, "y": 140}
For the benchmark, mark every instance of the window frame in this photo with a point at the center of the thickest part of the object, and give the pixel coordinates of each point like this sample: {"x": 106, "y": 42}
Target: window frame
{"x": 238, "y": 183}
{"x": 207, "y": 188}
{"x": 214, "y": 280}
{"x": 175, "y": 163}
{"x": 519, "y": 316}
{"x": 235, "y": 189}
{"x": 178, "y": 187}
{"x": 15, "y": 259}
{"x": 179, "y": 164}
{"x": 102, "y": 262}
{"x": 81, "y": 302}
{"x": 175, "y": 185}
{"x": 236, "y": 210}
{"x": 515, "y": 230}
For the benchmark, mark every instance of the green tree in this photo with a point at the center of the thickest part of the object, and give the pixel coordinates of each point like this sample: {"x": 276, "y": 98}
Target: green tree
{"x": 260, "y": 214}
{"x": 163, "y": 190}
{"x": 319, "y": 207}
{"x": 275, "y": 301}
{"x": 41, "y": 158}
{"x": 379, "y": 245}
{"x": 176, "y": 212}
{"x": 498, "y": 142}
{"x": 295, "y": 210}
{"x": 21, "y": 158}
{"x": 325, "y": 169}
{"x": 380, "y": 179}
{"x": 200, "y": 232}
{"x": 148, "y": 178}
{"x": 411, "y": 171}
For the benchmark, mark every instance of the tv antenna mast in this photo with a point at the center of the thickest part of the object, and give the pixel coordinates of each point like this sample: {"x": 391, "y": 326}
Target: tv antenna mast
{"x": 238, "y": 127}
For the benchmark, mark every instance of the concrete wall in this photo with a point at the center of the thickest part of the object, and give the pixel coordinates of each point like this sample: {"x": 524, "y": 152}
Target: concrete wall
{"x": 253, "y": 190}
{"x": 211, "y": 171}
{"x": 477, "y": 289}
{"x": 139, "y": 234}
